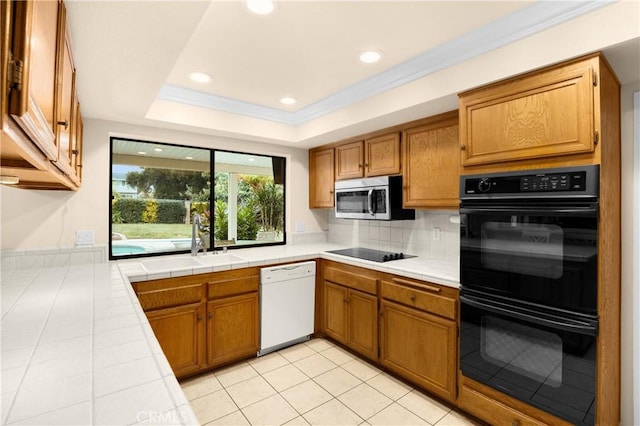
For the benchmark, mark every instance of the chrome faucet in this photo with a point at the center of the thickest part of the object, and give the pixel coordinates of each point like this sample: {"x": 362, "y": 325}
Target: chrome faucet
{"x": 198, "y": 232}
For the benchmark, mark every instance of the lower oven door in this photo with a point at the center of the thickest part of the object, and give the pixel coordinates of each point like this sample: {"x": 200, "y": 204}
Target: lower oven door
{"x": 545, "y": 359}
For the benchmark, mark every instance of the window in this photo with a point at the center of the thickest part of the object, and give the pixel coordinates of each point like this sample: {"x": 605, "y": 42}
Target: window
{"x": 163, "y": 200}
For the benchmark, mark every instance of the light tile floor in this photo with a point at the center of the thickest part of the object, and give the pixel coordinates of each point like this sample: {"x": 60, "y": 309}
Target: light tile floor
{"x": 314, "y": 383}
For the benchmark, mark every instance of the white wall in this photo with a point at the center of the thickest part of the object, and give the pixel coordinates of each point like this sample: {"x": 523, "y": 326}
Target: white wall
{"x": 49, "y": 219}
{"x": 630, "y": 357}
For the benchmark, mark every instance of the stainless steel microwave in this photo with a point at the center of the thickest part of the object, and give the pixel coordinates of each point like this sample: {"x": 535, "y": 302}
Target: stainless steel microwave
{"x": 376, "y": 198}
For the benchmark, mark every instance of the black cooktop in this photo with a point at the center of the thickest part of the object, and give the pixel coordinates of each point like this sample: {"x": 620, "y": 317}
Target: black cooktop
{"x": 370, "y": 254}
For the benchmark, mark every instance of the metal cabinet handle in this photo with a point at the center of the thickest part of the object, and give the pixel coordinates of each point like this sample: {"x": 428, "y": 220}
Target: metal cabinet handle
{"x": 199, "y": 317}
{"x": 463, "y": 147}
{"x": 210, "y": 315}
{"x": 64, "y": 123}
{"x": 346, "y": 300}
{"x": 412, "y": 297}
{"x": 75, "y": 152}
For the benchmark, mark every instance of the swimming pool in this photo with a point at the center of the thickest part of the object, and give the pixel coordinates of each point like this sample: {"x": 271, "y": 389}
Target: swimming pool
{"x": 140, "y": 246}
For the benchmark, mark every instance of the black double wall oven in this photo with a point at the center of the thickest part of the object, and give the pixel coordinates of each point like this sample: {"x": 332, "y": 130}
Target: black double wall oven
{"x": 528, "y": 274}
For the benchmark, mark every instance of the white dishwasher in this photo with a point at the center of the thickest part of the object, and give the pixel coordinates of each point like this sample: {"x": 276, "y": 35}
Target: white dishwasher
{"x": 287, "y": 305}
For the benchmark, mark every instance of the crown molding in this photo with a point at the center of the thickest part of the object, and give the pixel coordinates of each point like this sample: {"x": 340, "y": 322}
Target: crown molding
{"x": 513, "y": 27}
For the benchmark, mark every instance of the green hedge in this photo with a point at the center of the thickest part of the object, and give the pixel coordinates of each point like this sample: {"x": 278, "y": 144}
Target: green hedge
{"x": 140, "y": 210}
{"x": 170, "y": 211}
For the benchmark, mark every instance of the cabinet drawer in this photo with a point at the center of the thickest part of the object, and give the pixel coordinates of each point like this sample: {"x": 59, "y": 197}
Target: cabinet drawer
{"x": 351, "y": 276}
{"x": 232, "y": 285}
{"x": 170, "y": 297}
{"x": 492, "y": 411}
{"x": 422, "y": 296}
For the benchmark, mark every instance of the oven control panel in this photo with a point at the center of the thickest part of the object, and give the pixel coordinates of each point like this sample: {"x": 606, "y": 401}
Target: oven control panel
{"x": 551, "y": 181}
{"x": 558, "y": 182}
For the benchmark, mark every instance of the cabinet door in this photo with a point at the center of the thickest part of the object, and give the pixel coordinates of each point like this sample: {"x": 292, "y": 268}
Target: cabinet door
{"x": 35, "y": 40}
{"x": 542, "y": 114}
{"x": 335, "y": 311}
{"x": 180, "y": 332}
{"x": 232, "y": 329}
{"x": 431, "y": 164}
{"x": 349, "y": 161}
{"x": 382, "y": 155}
{"x": 421, "y": 347}
{"x": 77, "y": 142}
{"x": 321, "y": 178}
{"x": 363, "y": 323}
{"x": 66, "y": 111}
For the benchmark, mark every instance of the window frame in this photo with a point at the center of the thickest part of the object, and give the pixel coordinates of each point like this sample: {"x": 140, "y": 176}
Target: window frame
{"x": 212, "y": 152}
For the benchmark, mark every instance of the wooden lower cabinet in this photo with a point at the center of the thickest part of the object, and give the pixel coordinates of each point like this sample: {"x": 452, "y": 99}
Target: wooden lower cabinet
{"x": 363, "y": 323}
{"x": 203, "y": 321}
{"x": 419, "y": 346}
{"x": 180, "y": 332}
{"x": 335, "y": 311}
{"x": 350, "y": 306}
{"x": 351, "y": 318}
{"x": 232, "y": 331}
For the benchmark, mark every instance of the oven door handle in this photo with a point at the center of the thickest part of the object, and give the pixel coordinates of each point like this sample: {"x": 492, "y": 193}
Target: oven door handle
{"x": 512, "y": 210}
{"x": 572, "y": 326}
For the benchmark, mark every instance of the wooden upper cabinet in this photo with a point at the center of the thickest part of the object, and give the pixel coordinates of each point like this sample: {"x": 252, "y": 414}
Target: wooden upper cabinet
{"x": 350, "y": 161}
{"x": 321, "y": 178}
{"x": 542, "y": 114}
{"x": 40, "y": 121}
{"x": 32, "y": 100}
{"x": 382, "y": 155}
{"x": 377, "y": 156}
{"x": 431, "y": 163}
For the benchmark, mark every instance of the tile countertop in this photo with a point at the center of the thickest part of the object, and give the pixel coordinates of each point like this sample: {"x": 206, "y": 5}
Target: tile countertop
{"x": 77, "y": 347}
{"x": 435, "y": 271}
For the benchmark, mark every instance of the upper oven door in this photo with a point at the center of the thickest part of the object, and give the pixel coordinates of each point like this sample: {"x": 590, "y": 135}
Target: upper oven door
{"x": 363, "y": 203}
{"x": 538, "y": 252}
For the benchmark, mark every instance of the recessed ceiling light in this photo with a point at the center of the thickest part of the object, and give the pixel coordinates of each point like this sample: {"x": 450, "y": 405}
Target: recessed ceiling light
{"x": 288, "y": 100}
{"x": 200, "y": 77}
{"x": 251, "y": 159}
{"x": 142, "y": 153}
{"x": 261, "y": 7}
{"x": 370, "y": 57}
{"x": 188, "y": 158}
{"x": 157, "y": 149}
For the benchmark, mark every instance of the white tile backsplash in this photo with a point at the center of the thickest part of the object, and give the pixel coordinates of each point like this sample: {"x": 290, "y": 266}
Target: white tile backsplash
{"x": 54, "y": 257}
{"x": 409, "y": 236}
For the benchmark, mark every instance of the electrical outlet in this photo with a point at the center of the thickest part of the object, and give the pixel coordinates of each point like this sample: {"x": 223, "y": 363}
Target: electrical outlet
{"x": 84, "y": 237}
{"x": 436, "y": 234}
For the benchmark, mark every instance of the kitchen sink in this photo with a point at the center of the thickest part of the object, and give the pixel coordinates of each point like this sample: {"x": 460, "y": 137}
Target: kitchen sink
{"x": 219, "y": 259}
{"x": 158, "y": 265}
